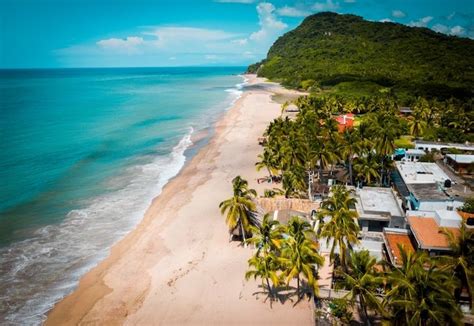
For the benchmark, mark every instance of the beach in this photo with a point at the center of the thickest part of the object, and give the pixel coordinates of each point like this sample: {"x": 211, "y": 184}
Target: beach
{"x": 178, "y": 266}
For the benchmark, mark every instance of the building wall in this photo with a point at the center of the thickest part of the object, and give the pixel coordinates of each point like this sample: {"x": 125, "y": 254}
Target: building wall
{"x": 437, "y": 205}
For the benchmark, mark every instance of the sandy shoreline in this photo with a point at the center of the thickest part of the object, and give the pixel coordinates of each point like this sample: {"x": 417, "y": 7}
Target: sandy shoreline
{"x": 177, "y": 266}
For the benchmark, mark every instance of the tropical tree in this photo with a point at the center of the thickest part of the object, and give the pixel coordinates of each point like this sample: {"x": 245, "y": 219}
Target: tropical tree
{"x": 352, "y": 145}
{"x": 299, "y": 255}
{"x": 240, "y": 208}
{"x": 461, "y": 258}
{"x": 366, "y": 168}
{"x": 265, "y": 267}
{"x": 421, "y": 293}
{"x": 267, "y": 237}
{"x": 416, "y": 126}
{"x": 267, "y": 161}
{"x": 342, "y": 230}
{"x": 362, "y": 281}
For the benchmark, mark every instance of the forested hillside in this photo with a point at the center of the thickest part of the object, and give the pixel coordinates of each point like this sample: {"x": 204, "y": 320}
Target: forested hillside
{"x": 349, "y": 55}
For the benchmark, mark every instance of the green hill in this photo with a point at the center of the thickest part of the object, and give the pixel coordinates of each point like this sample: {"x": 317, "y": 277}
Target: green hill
{"x": 349, "y": 55}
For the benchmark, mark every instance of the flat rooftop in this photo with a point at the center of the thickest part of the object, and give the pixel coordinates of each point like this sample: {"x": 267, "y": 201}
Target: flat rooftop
{"x": 428, "y": 234}
{"x": 421, "y": 172}
{"x": 393, "y": 238}
{"x": 447, "y": 145}
{"x": 427, "y": 191}
{"x": 373, "y": 201}
{"x": 462, "y": 158}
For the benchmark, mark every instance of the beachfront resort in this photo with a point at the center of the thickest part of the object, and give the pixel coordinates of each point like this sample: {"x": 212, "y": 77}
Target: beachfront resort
{"x": 366, "y": 230}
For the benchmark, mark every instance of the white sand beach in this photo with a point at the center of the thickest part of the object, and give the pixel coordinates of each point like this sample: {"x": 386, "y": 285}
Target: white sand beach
{"x": 178, "y": 266}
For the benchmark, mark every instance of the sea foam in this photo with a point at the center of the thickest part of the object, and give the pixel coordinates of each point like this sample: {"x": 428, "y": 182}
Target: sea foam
{"x": 37, "y": 272}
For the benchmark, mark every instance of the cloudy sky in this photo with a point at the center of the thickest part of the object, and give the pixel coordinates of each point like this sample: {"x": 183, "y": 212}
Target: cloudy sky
{"x": 125, "y": 33}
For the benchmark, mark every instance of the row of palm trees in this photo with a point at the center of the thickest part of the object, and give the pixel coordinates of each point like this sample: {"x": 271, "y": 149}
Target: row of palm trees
{"x": 427, "y": 116}
{"x": 422, "y": 290}
{"x": 285, "y": 253}
{"x": 311, "y": 143}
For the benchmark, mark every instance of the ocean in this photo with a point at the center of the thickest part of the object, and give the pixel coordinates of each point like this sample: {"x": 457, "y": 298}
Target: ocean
{"x": 83, "y": 153}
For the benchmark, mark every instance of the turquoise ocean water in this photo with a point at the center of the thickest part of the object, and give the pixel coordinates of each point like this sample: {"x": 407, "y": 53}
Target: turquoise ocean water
{"x": 82, "y": 153}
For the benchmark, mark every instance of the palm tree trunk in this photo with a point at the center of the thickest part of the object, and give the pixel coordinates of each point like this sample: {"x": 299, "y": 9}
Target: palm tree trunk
{"x": 298, "y": 285}
{"x": 269, "y": 288}
{"x": 364, "y": 308}
{"x": 243, "y": 234}
{"x": 350, "y": 171}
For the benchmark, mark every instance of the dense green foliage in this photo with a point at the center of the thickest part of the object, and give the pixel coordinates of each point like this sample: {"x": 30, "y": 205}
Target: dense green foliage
{"x": 362, "y": 58}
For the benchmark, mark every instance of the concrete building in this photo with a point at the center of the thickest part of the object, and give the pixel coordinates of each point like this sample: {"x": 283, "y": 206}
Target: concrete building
{"x": 393, "y": 240}
{"x": 428, "y": 146}
{"x": 413, "y": 155}
{"x": 378, "y": 208}
{"x": 460, "y": 163}
{"x": 427, "y": 228}
{"x": 425, "y": 186}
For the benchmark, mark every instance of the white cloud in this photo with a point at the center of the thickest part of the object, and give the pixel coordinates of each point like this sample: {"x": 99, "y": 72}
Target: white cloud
{"x": 440, "y": 28}
{"x": 129, "y": 44}
{"x": 235, "y": 1}
{"x": 350, "y": 1}
{"x": 270, "y": 26}
{"x": 455, "y": 30}
{"x": 329, "y": 5}
{"x": 241, "y": 41}
{"x": 398, "y": 14}
{"x": 292, "y": 12}
{"x": 181, "y": 45}
{"x": 422, "y": 22}
{"x": 451, "y": 16}
{"x": 386, "y": 20}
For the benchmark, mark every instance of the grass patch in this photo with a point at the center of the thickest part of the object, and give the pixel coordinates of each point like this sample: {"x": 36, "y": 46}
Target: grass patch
{"x": 404, "y": 142}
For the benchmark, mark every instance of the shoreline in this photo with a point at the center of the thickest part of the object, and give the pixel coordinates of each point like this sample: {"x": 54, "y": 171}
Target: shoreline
{"x": 159, "y": 272}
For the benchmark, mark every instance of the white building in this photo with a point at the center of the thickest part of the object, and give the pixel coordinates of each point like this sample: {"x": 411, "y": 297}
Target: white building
{"x": 413, "y": 155}
{"x": 428, "y": 146}
{"x": 378, "y": 208}
{"x": 426, "y": 187}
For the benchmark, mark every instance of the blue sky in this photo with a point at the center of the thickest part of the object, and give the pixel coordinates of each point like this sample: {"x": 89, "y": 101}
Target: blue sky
{"x": 124, "y": 33}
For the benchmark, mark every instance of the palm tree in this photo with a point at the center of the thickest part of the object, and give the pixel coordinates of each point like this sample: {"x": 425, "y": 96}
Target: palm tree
{"x": 300, "y": 255}
{"x": 366, "y": 168}
{"x": 342, "y": 228}
{"x": 461, "y": 258}
{"x": 265, "y": 267}
{"x": 416, "y": 126}
{"x": 266, "y": 237}
{"x": 352, "y": 144}
{"x": 240, "y": 207}
{"x": 267, "y": 161}
{"x": 421, "y": 293}
{"x": 362, "y": 281}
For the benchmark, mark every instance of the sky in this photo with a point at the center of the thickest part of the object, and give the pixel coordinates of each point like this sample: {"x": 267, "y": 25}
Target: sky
{"x": 144, "y": 33}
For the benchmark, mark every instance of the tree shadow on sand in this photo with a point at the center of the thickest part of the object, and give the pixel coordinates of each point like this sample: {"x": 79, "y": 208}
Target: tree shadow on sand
{"x": 283, "y": 294}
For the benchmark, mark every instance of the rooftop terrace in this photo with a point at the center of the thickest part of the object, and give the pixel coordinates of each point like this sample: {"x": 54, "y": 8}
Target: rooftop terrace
{"x": 421, "y": 172}
{"x": 377, "y": 202}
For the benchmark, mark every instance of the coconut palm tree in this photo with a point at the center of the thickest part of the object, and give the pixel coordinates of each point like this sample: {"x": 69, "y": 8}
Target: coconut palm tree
{"x": 240, "y": 208}
{"x": 461, "y": 257}
{"x": 265, "y": 267}
{"x": 267, "y": 161}
{"x": 266, "y": 237}
{"x": 366, "y": 168}
{"x": 351, "y": 145}
{"x": 342, "y": 229}
{"x": 299, "y": 255}
{"x": 421, "y": 293}
{"x": 416, "y": 126}
{"x": 362, "y": 281}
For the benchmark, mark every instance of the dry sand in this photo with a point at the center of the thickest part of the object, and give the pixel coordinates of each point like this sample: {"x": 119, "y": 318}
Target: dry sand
{"x": 177, "y": 266}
